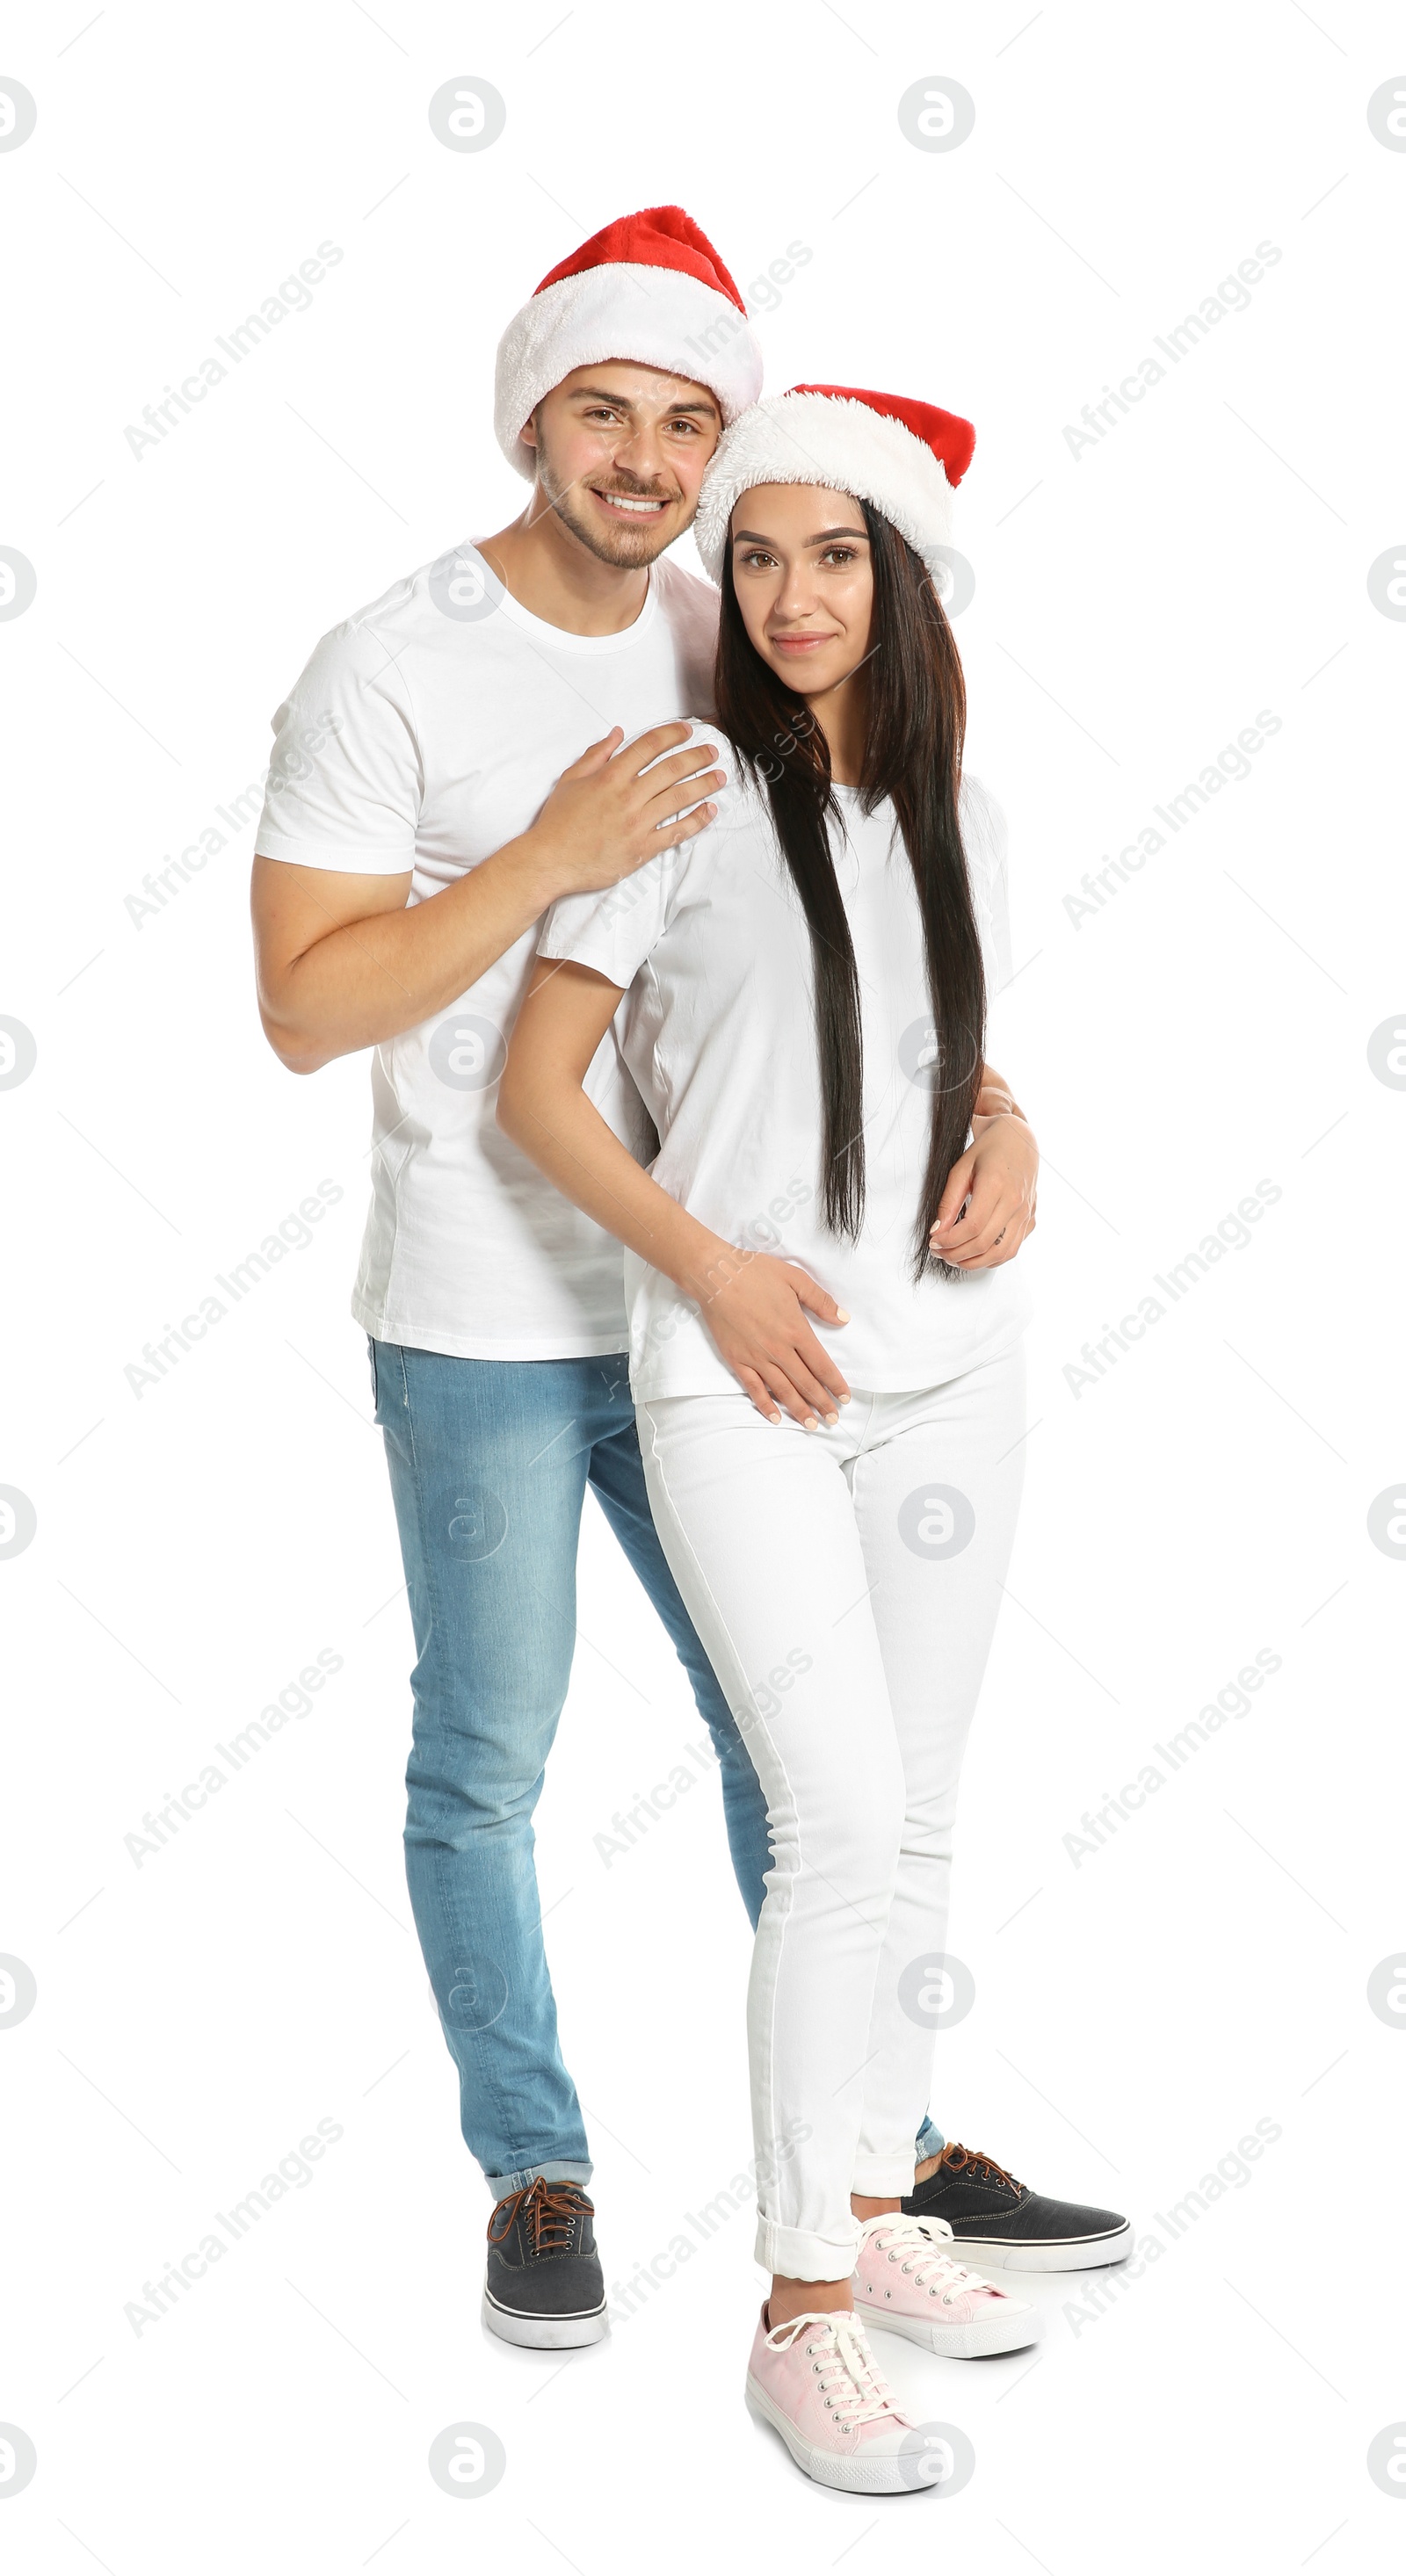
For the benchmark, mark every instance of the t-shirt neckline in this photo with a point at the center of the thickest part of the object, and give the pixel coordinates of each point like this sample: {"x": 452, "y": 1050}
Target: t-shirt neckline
{"x": 559, "y": 639}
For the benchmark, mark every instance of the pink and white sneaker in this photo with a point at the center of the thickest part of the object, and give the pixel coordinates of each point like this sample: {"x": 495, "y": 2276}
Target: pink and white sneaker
{"x": 907, "y": 2280}
{"x": 814, "y": 2379}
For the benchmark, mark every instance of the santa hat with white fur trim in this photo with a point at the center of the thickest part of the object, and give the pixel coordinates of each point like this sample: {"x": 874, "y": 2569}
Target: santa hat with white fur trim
{"x": 649, "y": 288}
{"x": 904, "y": 458}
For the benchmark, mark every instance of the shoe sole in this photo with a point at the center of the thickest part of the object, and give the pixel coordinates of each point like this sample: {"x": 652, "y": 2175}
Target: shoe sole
{"x": 973, "y": 2342}
{"x": 545, "y": 2334}
{"x": 1044, "y": 2254}
{"x": 855, "y": 2475}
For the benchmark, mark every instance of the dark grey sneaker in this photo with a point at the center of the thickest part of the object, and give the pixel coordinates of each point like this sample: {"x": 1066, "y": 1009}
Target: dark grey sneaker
{"x": 1001, "y": 2227}
{"x": 544, "y": 2285}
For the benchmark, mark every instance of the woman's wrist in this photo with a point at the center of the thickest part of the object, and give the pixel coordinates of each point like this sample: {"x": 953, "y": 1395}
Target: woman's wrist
{"x": 705, "y": 1263}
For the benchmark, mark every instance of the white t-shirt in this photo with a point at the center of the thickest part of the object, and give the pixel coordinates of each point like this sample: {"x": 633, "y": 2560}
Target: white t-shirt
{"x": 425, "y": 733}
{"x": 718, "y": 1030}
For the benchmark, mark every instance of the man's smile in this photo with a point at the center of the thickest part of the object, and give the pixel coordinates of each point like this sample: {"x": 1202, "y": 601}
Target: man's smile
{"x": 631, "y": 506}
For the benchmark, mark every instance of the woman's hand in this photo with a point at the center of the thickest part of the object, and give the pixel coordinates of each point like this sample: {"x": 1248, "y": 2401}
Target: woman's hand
{"x": 998, "y": 1173}
{"x": 755, "y": 1309}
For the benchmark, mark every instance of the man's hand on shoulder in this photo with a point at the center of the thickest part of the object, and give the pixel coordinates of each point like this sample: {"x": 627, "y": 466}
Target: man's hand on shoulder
{"x": 621, "y": 803}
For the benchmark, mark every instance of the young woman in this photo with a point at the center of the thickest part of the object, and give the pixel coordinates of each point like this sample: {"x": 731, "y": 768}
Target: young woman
{"x": 825, "y": 1329}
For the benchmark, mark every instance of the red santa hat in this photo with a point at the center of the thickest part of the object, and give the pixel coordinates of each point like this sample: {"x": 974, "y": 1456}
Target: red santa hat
{"x": 650, "y": 288}
{"x": 904, "y": 458}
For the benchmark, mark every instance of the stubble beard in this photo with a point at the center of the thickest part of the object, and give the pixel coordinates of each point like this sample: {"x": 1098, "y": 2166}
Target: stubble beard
{"x": 625, "y": 549}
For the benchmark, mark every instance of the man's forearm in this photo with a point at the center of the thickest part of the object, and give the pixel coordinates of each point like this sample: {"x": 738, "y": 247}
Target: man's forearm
{"x": 360, "y": 982}
{"x": 995, "y": 1099}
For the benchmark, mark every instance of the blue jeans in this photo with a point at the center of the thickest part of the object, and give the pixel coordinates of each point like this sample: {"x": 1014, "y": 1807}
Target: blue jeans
{"x": 489, "y": 1463}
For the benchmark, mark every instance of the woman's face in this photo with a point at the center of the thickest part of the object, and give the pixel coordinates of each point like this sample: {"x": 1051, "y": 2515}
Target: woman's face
{"x": 804, "y": 580}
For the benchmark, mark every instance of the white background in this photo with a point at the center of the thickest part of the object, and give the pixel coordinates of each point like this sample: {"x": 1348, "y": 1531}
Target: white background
{"x": 1207, "y": 1496}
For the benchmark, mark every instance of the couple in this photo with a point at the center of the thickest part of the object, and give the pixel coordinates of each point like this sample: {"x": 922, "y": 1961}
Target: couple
{"x": 719, "y": 1002}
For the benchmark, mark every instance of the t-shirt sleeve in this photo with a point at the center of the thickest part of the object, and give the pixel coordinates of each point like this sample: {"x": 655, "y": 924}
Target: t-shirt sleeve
{"x": 615, "y": 931}
{"x": 345, "y": 781}
{"x": 985, "y": 840}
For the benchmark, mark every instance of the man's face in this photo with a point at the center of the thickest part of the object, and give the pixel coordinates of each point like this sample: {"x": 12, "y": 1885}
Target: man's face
{"x": 620, "y": 456}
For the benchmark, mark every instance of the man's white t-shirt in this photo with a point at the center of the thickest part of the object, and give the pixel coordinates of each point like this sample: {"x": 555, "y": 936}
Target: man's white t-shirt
{"x": 425, "y": 732}
{"x": 718, "y": 1029}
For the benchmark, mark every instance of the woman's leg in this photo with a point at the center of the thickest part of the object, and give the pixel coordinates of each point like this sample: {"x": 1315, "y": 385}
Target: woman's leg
{"x": 760, "y": 1530}
{"x": 936, "y": 1493}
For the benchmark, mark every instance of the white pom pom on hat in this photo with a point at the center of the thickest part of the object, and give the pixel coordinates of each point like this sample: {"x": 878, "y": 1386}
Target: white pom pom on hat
{"x": 649, "y": 288}
{"x": 904, "y": 458}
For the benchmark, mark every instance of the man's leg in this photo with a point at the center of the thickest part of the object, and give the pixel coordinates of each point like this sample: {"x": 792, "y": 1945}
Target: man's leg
{"x": 488, "y": 1467}
{"x": 617, "y": 1475}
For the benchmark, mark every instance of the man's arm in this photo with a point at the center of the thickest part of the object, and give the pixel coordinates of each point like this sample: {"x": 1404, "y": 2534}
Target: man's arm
{"x": 343, "y": 964}
{"x": 995, "y": 1099}
{"x": 995, "y": 1179}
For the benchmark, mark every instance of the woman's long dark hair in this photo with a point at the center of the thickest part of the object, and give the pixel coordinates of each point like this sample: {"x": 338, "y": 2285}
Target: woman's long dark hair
{"x": 913, "y": 754}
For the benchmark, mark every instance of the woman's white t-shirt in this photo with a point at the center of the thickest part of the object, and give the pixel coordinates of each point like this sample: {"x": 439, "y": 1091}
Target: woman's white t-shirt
{"x": 719, "y": 1033}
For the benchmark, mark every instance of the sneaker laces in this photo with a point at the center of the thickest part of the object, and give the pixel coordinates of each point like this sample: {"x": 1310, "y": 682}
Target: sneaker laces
{"x": 925, "y": 2241}
{"x": 846, "y": 2372}
{"x": 550, "y": 2209}
{"x": 955, "y": 2160}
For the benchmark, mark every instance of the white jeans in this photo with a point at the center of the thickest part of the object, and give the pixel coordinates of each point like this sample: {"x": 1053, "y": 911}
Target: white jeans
{"x": 845, "y": 1584}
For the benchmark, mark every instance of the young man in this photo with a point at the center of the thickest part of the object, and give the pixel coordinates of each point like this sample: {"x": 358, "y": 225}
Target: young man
{"x": 433, "y": 748}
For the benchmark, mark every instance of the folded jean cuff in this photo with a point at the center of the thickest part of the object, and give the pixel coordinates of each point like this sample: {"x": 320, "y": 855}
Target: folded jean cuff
{"x": 502, "y": 2184}
{"x": 880, "y": 2177}
{"x": 797, "y": 2255}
